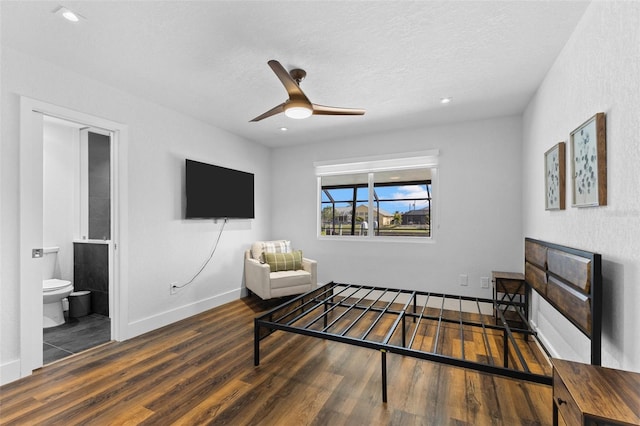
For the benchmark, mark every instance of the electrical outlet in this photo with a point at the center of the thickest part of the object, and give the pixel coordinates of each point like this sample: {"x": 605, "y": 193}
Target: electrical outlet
{"x": 173, "y": 288}
{"x": 484, "y": 282}
{"x": 464, "y": 279}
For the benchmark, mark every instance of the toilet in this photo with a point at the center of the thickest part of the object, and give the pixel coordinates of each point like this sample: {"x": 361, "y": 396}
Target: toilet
{"x": 53, "y": 290}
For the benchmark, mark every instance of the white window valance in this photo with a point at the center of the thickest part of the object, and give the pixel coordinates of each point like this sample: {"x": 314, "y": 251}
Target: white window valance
{"x": 403, "y": 161}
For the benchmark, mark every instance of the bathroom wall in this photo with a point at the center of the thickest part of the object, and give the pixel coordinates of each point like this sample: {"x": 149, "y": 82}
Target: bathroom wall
{"x": 60, "y": 158}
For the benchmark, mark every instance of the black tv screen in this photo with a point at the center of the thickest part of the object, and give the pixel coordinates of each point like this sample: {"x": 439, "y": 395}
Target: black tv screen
{"x": 218, "y": 192}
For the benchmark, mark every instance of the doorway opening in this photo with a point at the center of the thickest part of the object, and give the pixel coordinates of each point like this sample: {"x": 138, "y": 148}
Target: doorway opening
{"x": 76, "y": 234}
{"x": 103, "y": 233}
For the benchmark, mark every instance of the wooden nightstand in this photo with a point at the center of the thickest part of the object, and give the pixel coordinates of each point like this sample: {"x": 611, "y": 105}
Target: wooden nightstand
{"x": 590, "y": 395}
{"x": 510, "y": 295}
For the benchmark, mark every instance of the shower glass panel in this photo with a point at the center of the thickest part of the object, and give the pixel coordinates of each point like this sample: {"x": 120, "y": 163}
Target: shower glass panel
{"x": 99, "y": 187}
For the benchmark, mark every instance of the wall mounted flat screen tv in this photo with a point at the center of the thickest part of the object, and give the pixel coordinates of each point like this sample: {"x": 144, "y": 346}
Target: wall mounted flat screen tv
{"x": 218, "y": 192}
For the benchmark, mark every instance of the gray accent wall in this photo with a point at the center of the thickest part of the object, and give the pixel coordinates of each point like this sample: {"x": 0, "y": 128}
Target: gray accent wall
{"x": 91, "y": 272}
{"x": 99, "y": 187}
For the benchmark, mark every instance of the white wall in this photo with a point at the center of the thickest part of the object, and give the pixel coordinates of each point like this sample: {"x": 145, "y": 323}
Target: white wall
{"x": 163, "y": 247}
{"x": 598, "y": 71}
{"x": 58, "y": 203}
{"x": 478, "y": 205}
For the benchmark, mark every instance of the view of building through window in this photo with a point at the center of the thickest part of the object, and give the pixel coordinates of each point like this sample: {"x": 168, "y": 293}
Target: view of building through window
{"x": 401, "y": 204}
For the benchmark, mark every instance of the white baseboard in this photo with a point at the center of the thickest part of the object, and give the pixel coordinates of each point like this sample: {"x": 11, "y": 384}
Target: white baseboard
{"x": 9, "y": 372}
{"x": 544, "y": 341}
{"x": 136, "y": 328}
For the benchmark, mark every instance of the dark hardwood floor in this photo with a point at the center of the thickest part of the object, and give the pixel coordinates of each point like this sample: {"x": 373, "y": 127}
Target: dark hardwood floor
{"x": 200, "y": 371}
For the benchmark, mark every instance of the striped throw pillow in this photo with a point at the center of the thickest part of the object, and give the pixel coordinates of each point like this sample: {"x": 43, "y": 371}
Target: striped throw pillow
{"x": 280, "y": 246}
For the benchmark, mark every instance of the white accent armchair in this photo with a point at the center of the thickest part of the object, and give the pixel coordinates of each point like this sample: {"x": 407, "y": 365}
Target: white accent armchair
{"x": 267, "y": 284}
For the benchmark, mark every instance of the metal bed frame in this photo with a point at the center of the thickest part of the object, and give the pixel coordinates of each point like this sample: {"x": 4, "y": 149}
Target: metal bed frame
{"x": 336, "y": 310}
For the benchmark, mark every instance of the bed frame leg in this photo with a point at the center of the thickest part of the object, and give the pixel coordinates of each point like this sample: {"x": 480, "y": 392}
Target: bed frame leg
{"x": 325, "y": 315}
{"x": 256, "y": 343}
{"x": 404, "y": 331}
{"x": 505, "y": 344}
{"x": 384, "y": 375}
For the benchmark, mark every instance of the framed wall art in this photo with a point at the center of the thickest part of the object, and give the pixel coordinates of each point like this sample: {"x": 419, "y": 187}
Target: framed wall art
{"x": 554, "y": 172}
{"x": 589, "y": 163}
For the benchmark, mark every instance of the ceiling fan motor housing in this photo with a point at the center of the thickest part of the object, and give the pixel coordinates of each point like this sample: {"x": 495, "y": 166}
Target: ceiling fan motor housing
{"x": 298, "y": 74}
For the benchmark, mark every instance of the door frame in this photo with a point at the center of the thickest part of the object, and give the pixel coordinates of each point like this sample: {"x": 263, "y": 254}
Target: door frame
{"x": 31, "y": 224}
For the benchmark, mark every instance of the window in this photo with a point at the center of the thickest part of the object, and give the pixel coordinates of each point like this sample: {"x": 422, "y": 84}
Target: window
{"x": 344, "y": 205}
{"x": 377, "y": 198}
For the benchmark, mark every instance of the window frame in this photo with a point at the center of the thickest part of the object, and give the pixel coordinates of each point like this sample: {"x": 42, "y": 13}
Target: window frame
{"x": 371, "y": 166}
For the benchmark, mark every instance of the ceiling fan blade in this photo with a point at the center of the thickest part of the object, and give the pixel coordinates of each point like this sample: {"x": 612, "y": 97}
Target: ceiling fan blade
{"x": 273, "y": 111}
{"x": 328, "y": 110}
{"x": 289, "y": 83}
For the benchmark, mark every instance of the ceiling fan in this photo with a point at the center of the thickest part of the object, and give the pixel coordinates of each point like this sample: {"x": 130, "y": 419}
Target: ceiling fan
{"x": 298, "y": 105}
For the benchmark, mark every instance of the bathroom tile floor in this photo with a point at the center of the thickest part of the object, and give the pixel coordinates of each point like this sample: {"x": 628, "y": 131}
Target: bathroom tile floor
{"x": 75, "y": 335}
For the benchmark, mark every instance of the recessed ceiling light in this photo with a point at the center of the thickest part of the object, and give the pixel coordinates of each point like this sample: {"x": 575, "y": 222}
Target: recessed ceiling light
{"x": 284, "y": 129}
{"x": 68, "y": 14}
{"x": 445, "y": 100}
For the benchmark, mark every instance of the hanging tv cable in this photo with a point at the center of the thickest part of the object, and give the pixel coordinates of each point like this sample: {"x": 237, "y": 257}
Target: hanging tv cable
{"x": 176, "y": 286}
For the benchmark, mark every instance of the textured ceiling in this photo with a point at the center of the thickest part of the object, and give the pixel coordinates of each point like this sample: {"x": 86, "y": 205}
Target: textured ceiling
{"x": 396, "y": 59}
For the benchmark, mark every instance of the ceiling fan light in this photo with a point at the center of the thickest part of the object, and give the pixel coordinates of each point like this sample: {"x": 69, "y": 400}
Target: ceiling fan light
{"x": 68, "y": 14}
{"x": 297, "y": 110}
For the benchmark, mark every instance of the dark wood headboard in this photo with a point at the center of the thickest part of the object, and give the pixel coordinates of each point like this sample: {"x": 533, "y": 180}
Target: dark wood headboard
{"x": 571, "y": 281}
